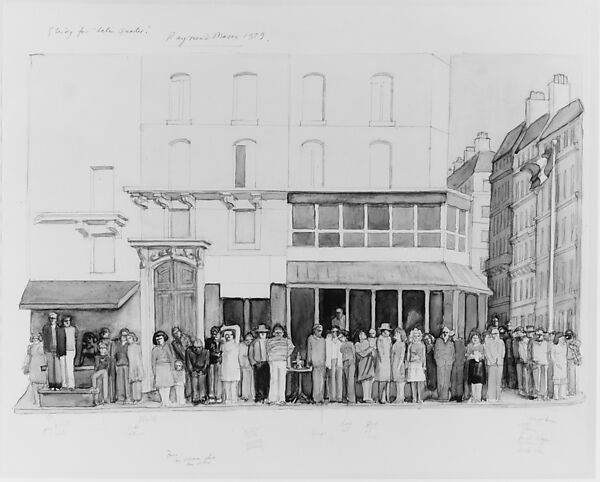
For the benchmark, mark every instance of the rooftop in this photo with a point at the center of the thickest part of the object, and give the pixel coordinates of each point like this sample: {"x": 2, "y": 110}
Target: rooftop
{"x": 480, "y": 162}
{"x": 510, "y": 140}
{"x": 565, "y": 115}
{"x": 533, "y": 131}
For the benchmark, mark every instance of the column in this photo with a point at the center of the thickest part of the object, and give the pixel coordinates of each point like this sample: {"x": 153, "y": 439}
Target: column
{"x": 373, "y": 312}
{"x": 400, "y": 324}
{"x": 279, "y": 313}
{"x": 212, "y": 307}
{"x": 455, "y": 294}
{"x": 316, "y": 306}
{"x": 200, "y": 302}
{"x": 147, "y": 324}
{"x": 427, "y": 295}
{"x": 482, "y": 311}
{"x": 288, "y": 310}
{"x": 246, "y": 327}
{"x": 347, "y": 327}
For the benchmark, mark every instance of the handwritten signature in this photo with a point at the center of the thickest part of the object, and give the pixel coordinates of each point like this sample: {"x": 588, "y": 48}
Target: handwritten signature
{"x": 192, "y": 461}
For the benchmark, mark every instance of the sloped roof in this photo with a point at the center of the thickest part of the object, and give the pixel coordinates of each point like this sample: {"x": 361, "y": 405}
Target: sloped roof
{"x": 509, "y": 141}
{"x": 533, "y": 131}
{"x": 480, "y": 162}
{"x": 563, "y": 117}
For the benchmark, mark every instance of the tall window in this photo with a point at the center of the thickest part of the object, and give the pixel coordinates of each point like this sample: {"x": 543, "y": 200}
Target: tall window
{"x": 103, "y": 188}
{"x": 244, "y": 153}
{"x": 313, "y": 98}
{"x": 179, "y": 163}
{"x": 380, "y": 164}
{"x": 180, "y": 97}
{"x": 310, "y": 172}
{"x": 382, "y": 91}
{"x": 245, "y": 94}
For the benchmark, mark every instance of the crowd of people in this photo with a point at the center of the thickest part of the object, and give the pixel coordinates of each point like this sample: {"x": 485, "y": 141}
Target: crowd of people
{"x": 383, "y": 366}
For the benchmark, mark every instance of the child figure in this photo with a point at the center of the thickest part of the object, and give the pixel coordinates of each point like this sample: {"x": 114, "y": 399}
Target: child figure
{"x": 179, "y": 377}
{"x": 101, "y": 367}
{"x": 246, "y": 368}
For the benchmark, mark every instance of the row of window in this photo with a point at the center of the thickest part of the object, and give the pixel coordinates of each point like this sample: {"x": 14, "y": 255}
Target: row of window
{"x": 501, "y": 191}
{"x": 499, "y": 287}
{"x": 377, "y": 225}
{"x": 565, "y": 279}
{"x": 245, "y": 95}
{"x": 308, "y": 173}
{"x": 522, "y": 251}
{"x": 563, "y": 320}
{"x": 500, "y": 221}
{"x": 499, "y": 245}
{"x": 523, "y": 289}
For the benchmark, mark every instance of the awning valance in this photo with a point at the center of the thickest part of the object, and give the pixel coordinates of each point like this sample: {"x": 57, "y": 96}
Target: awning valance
{"x": 77, "y": 295}
{"x": 401, "y": 273}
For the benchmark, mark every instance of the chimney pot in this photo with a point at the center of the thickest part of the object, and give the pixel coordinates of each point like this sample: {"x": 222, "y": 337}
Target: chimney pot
{"x": 482, "y": 142}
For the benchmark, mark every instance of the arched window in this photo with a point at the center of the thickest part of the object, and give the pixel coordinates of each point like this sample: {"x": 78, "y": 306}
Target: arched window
{"x": 179, "y": 163}
{"x": 180, "y": 97}
{"x": 309, "y": 172}
{"x": 382, "y": 92}
{"x": 380, "y": 164}
{"x": 313, "y": 98}
{"x": 244, "y": 156}
{"x": 245, "y": 94}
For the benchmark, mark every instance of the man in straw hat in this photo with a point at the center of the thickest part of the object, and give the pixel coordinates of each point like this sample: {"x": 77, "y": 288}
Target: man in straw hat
{"x": 257, "y": 354}
{"x": 315, "y": 358}
{"x": 383, "y": 361}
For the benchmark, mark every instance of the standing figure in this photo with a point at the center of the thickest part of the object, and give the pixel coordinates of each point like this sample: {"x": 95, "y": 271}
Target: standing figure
{"x": 366, "y": 365}
{"x": 51, "y": 349}
{"x": 196, "y": 359}
{"x": 383, "y": 362}
{"x": 431, "y": 367}
{"x": 102, "y": 364}
{"x": 509, "y": 370}
{"x": 348, "y": 368}
{"x": 315, "y": 358}
{"x": 215, "y": 385}
{"x": 279, "y": 349}
{"x": 525, "y": 356}
{"x": 179, "y": 378}
{"x": 122, "y": 386}
{"x": 539, "y": 364}
{"x": 136, "y": 367}
{"x": 373, "y": 342}
{"x": 398, "y": 363}
{"x": 574, "y": 360}
{"x": 457, "y": 383}
{"x": 494, "y": 358}
{"x": 104, "y": 337}
{"x": 476, "y": 363}
{"x": 517, "y": 335}
{"x": 88, "y": 350}
{"x": 333, "y": 362}
{"x": 257, "y": 354}
{"x": 36, "y": 366}
{"x": 247, "y": 375}
{"x": 230, "y": 370}
{"x": 163, "y": 359}
{"x": 559, "y": 365}
{"x": 339, "y": 319}
{"x": 443, "y": 354}
{"x": 68, "y": 333}
{"x": 181, "y": 342}
{"x": 549, "y": 338}
{"x": 416, "y": 360}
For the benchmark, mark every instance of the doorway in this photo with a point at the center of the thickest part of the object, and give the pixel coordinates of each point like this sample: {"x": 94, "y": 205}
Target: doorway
{"x": 175, "y": 297}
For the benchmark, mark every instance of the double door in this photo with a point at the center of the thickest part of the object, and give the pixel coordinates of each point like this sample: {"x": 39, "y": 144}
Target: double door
{"x": 175, "y": 293}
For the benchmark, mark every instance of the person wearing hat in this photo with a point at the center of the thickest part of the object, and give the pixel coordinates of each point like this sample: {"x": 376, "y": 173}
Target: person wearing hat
{"x": 215, "y": 385}
{"x": 122, "y": 392}
{"x": 334, "y": 364}
{"x": 494, "y": 360}
{"x": 315, "y": 358}
{"x": 230, "y": 368}
{"x": 51, "y": 343}
{"x": 383, "y": 362}
{"x": 163, "y": 360}
{"x": 444, "y": 354}
{"x": 257, "y": 354}
{"x": 539, "y": 364}
{"x": 574, "y": 360}
{"x": 68, "y": 334}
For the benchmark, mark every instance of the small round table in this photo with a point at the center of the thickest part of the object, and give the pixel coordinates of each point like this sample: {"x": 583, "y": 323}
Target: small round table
{"x": 299, "y": 396}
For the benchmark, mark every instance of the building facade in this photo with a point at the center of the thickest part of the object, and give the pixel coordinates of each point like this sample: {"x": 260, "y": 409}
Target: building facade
{"x": 472, "y": 178}
{"x": 247, "y": 189}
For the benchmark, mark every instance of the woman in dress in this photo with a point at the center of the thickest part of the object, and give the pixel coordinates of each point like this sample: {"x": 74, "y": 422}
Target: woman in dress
{"x": 398, "y": 366}
{"x": 366, "y": 368}
{"x": 383, "y": 362}
{"x": 163, "y": 358}
{"x": 559, "y": 366}
{"x": 416, "y": 365}
{"x": 36, "y": 366}
{"x": 230, "y": 369}
{"x": 136, "y": 369}
{"x": 476, "y": 362}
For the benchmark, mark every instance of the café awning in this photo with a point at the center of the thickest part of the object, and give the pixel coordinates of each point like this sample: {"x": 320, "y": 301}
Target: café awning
{"x": 432, "y": 275}
{"x": 77, "y": 295}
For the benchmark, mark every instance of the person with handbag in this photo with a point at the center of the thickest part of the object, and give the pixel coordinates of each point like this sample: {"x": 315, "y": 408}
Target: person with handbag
{"x": 36, "y": 366}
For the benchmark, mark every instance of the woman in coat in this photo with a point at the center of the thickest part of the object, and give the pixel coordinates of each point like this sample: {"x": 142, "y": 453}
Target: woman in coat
{"x": 136, "y": 368}
{"x": 383, "y": 362}
{"x": 416, "y": 365}
{"x": 476, "y": 362}
{"x": 365, "y": 368}
{"x": 230, "y": 368}
{"x": 36, "y": 366}
{"x": 559, "y": 366}
{"x": 398, "y": 366}
{"x": 163, "y": 358}
{"x": 431, "y": 366}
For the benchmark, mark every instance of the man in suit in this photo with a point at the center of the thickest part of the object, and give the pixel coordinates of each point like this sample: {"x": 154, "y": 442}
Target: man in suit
{"x": 257, "y": 354}
{"x": 444, "y": 359}
{"x": 315, "y": 358}
{"x": 67, "y": 334}
{"x": 53, "y": 348}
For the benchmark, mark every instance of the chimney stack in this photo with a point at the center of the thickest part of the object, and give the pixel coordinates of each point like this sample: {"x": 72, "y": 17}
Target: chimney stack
{"x": 559, "y": 93}
{"x": 469, "y": 153}
{"x": 536, "y": 106}
{"x": 482, "y": 142}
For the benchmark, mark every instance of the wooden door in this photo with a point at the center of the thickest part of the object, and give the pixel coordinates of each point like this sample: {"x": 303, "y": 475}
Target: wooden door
{"x": 175, "y": 297}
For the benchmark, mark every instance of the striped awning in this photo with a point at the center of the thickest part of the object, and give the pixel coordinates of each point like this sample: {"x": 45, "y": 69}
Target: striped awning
{"x": 439, "y": 275}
